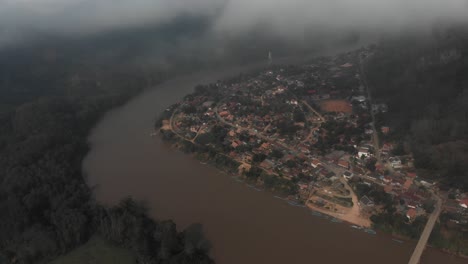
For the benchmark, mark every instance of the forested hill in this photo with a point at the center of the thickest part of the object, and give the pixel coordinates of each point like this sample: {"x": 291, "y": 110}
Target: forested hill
{"x": 424, "y": 80}
{"x": 50, "y": 98}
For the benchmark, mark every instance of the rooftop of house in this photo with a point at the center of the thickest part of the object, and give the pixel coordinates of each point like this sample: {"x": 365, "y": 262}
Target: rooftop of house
{"x": 411, "y": 213}
{"x": 464, "y": 203}
{"x": 343, "y": 163}
{"x": 366, "y": 201}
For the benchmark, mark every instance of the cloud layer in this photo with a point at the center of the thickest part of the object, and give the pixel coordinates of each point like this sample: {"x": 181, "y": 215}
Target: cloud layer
{"x": 282, "y": 18}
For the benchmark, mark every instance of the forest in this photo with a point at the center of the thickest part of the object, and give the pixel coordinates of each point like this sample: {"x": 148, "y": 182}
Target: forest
{"x": 50, "y": 99}
{"x": 423, "y": 79}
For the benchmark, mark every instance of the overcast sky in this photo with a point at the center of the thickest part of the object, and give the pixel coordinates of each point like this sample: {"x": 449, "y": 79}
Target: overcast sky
{"x": 287, "y": 17}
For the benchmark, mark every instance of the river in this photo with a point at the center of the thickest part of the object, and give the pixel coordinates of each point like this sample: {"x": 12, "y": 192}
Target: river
{"x": 244, "y": 225}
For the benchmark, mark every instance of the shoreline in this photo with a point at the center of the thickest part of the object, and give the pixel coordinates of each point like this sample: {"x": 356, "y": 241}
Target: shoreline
{"x": 343, "y": 218}
{"x": 347, "y": 217}
{"x": 362, "y": 222}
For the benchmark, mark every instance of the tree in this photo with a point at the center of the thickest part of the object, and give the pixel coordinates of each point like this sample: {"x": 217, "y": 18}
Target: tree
{"x": 277, "y": 153}
{"x": 195, "y": 241}
{"x": 299, "y": 116}
{"x": 370, "y": 164}
{"x": 257, "y": 158}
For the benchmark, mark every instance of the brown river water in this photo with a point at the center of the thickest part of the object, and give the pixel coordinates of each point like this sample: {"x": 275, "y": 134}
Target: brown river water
{"x": 244, "y": 225}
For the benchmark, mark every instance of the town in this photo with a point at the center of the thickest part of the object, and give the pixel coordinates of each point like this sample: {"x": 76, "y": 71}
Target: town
{"x": 312, "y": 133}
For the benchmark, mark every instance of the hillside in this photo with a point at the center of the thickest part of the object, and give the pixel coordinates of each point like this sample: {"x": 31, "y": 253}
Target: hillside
{"x": 424, "y": 81}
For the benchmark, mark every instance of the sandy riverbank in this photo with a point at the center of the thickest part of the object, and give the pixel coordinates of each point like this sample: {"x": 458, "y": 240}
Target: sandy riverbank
{"x": 350, "y": 215}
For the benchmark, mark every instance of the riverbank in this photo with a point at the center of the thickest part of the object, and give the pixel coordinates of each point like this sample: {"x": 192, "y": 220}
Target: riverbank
{"x": 350, "y": 215}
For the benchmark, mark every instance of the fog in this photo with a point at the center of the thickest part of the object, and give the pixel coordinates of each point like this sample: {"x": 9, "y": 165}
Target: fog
{"x": 19, "y": 19}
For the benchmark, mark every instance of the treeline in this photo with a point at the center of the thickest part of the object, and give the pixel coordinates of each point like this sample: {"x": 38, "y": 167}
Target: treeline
{"x": 424, "y": 82}
{"x": 210, "y": 147}
{"x": 48, "y": 105}
{"x": 398, "y": 224}
{"x": 128, "y": 225}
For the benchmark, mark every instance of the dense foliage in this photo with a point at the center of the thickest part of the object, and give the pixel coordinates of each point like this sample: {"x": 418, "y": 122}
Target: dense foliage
{"x": 424, "y": 81}
{"x": 152, "y": 242}
{"x": 46, "y": 207}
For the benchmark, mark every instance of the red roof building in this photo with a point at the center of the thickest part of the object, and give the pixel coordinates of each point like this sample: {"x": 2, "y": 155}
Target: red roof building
{"x": 411, "y": 213}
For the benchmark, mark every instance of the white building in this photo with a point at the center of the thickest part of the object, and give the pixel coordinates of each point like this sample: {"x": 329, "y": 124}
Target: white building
{"x": 395, "y": 162}
{"x": 363, "y": 152}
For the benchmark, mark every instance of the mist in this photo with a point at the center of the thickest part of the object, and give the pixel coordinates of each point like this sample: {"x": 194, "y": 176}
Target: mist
{"x": 290, "y": 19}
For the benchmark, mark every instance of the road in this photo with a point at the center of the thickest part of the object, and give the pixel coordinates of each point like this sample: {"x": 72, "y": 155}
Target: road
{"x": 171, "y": 127}
{"x": 375, "y": 135}
{"x": 416, "y": 257}
{"x": 322, "y": 119}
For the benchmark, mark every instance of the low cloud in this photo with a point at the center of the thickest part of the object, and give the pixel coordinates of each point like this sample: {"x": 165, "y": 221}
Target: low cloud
{"x": 295, "y": 16}
{"x": 289, "y": 19}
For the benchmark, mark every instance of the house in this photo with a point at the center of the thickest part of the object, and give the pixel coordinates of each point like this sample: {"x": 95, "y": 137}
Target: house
{"x": 194, "y": 129}
{"x": 452, "y": 206}
{"x": 223, "y": 113}
{"x": 363, "y": 152}
{"x": 427, "y": 183}
{"x": 360, "y": 98}
{"x": 411, "y": 213}
{"x": 331, "y": 175}
{"x": 398, "y": 181}
{"x": 386, "y": 148}
{"x": 265, "y": 146}
{"x": 407, "y": 184}
{"x": 395, "y": 162}
{"x": 208, "y": 104}
{"x": 346, "y": 65}
{"x": 388, "y": 188}
{"x": 366, "y": 201}
{"x": 335, "y": 155}
{"x": 464, "y": 203}
{"x": 233, "y": 154}
{"x": 411, "y": 204}
{"x": 348, "y": 175}
{"x": 267, "y": 164}
{"x": 315, "y": 163}
{"x": 247, "y": 157}
{"x": 367, "y": 146}
{"x": 343, "y": 164}
{"x": 303, "y": 185}
{"x": 387, "y": 179}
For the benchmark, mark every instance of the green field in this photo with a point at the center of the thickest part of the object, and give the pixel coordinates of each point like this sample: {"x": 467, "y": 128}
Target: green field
{"x": 97, "y": 251}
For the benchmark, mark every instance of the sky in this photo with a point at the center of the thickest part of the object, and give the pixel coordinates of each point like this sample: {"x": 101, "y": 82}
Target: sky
{"x": 287, "y": 18}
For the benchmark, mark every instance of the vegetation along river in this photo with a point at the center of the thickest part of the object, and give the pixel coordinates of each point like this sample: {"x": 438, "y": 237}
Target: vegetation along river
{"x": 244, "y": 225}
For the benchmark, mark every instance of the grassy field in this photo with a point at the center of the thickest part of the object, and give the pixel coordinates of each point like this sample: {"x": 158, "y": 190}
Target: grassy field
{"x": 336, "y": 106}
{"x": 97, "y": 251}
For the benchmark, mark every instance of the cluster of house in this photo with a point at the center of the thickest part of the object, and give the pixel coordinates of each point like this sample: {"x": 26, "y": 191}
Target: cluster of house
{"x": 193, "y": 117}
{"x": 457, "y": 207}
{"x": 260, "y": 116}
{"x": 399, "y": 180}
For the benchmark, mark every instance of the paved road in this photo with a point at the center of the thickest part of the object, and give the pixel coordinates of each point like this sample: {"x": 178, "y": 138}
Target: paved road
{"x": 171, "y": 127}
{"x": 375, "y": 135}
{"x": 322, "y": 119}
{"x": 416, "y": 257}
